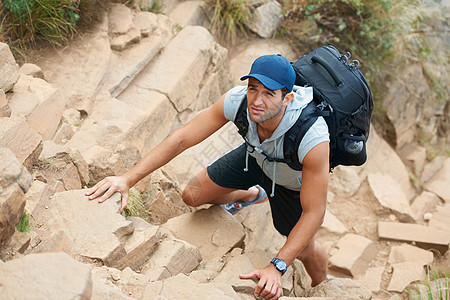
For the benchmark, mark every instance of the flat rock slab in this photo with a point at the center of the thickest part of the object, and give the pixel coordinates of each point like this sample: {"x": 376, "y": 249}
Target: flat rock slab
{"x": 408, "y": 253}
{"x": 354, "y": 255}
{"x": 213, "y": 231}
{"x": 47, "y": 276}
{"x": 423, "y": 236}
{"x": 405, "y": 273}
{"x": 89, "y": 229}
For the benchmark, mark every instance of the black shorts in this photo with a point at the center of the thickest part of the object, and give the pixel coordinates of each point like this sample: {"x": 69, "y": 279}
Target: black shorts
{"x": 228, "y": 171}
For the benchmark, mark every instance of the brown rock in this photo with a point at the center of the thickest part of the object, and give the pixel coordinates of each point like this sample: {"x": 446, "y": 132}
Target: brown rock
{"x": 139, "y": 245}
{"x": 372, "y": 279}
{"x": 14, "y": 183}
{"x": 438, "y": 184}
{"x": 120, "y": 19}
{"x": 32, "y": 70}
{"x": 389, "y": 195}
{"x": 9, "y": 70}
{"x": 92, "y": 230}
{"x": 424, "y": 203}
{"x": 172, "y": 257}
{"x": 408, "y": 253}
{"x": 48, "y": 276}
{"x": 405, "y": 273}
{"x": 39, "y": 102}
{"x": 183, "y": 287}
{"x": 441, "y": 218}
{"x": 17, "y": 243}
{"x": 21, "y": 139}
{"x": 354, "y": 255}
{"x": 146, "y": 21}
{"x": 340, "y": 288}
{"x": 381, "y": 158}
{"x": 213, "y": 231}
{"x": 230, "y": 274}
{"x": 127, "y": 281}
{"x": 191, "y": 13}
{"x": 424, "y": 237}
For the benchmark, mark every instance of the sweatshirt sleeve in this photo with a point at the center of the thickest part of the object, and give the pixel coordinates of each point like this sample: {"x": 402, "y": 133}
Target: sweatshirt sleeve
{"x": 318, "y": 133}
{"x": 233, "y": 100}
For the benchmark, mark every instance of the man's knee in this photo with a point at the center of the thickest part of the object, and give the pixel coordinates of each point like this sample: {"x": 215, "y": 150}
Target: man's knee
{"x": 189, "y": 196}
{"x": 309, "y": 251}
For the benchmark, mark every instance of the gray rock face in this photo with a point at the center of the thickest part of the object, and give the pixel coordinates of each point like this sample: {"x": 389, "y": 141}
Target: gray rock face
{"x": 266, "y": 19}
{"x": 14, "y": 183}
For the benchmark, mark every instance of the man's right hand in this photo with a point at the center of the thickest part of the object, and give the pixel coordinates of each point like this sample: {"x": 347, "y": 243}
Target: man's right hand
{"x": 107, "y": 187}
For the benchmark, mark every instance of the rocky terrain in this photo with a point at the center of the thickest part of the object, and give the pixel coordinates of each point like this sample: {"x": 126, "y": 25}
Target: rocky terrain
{"x": 95, "y": 107}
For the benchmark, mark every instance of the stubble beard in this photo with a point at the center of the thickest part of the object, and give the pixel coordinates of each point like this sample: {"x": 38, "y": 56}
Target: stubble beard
{"x": 265, "y": 117}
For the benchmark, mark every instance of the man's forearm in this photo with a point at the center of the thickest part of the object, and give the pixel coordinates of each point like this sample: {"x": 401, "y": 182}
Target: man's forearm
{"x": 301, "y": 235}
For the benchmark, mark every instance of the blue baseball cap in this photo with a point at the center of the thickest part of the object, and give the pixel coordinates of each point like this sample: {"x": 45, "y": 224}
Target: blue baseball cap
{"x": 273, "y": 71}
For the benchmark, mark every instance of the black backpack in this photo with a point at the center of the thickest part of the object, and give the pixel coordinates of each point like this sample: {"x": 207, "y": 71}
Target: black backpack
{"x": 341, "y": 96}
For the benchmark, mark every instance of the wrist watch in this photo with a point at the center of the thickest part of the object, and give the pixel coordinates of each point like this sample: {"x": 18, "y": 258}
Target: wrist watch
{"x": 280, "y": 265}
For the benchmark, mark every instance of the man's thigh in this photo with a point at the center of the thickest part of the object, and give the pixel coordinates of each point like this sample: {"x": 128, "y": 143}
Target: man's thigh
{"x": 223, "y": 176}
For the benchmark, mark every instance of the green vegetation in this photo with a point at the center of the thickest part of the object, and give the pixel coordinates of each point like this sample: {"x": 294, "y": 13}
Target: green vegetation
{"x": 25, "y": 223}
{"x": 437, "y": 287}
{"x": 136, "y": 205}
{"x": 26, "y": 21}
{"x": 366, "y": 28}
{"x": 229, "y": 18}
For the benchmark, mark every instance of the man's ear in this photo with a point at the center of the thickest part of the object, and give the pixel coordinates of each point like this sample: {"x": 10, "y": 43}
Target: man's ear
{"x": 288, "y": 98}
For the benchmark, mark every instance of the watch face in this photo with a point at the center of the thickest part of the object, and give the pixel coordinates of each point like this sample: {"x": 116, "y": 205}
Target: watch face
{"x": 281, "y": 264}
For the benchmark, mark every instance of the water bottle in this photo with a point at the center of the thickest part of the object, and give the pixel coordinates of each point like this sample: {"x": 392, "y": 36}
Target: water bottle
{"x": 353, "y": 146}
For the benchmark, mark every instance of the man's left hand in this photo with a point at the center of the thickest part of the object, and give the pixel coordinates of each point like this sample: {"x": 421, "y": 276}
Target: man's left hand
{"x": 269, "y": 286}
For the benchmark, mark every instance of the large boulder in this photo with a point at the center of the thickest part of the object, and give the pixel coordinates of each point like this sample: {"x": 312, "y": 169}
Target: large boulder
{"x": 47, "y": 276}
{"x": 87, "y": 230}
{"x": 9, "y": 70}
{"x": 15, "y": 181}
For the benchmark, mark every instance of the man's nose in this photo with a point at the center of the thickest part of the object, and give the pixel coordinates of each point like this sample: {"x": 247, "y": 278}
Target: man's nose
{"x": 258, "y": 100}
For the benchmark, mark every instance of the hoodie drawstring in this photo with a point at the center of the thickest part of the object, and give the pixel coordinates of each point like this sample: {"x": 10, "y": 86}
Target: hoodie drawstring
{"x": 274, "y": 173}
{"x": 246, "y": 161}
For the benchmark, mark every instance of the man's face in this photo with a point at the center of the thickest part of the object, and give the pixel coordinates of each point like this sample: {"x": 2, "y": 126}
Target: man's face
{"x": 263, "y": 104}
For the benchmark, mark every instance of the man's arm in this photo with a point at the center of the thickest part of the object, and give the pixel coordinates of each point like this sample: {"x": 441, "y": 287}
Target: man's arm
{"x": 198, "y": 129}
{"x": 313, "y": 195}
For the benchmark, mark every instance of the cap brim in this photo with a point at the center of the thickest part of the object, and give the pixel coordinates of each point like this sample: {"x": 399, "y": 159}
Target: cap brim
{"x": 266, "y": 81}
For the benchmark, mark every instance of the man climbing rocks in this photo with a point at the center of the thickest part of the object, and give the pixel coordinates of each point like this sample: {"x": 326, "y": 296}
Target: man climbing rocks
{"x": 244, "y": 175}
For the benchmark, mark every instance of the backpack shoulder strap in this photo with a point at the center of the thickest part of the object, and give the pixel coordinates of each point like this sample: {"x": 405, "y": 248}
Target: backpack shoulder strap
{"x": 294, "y": 136}
{"x": 240, "y": 119}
